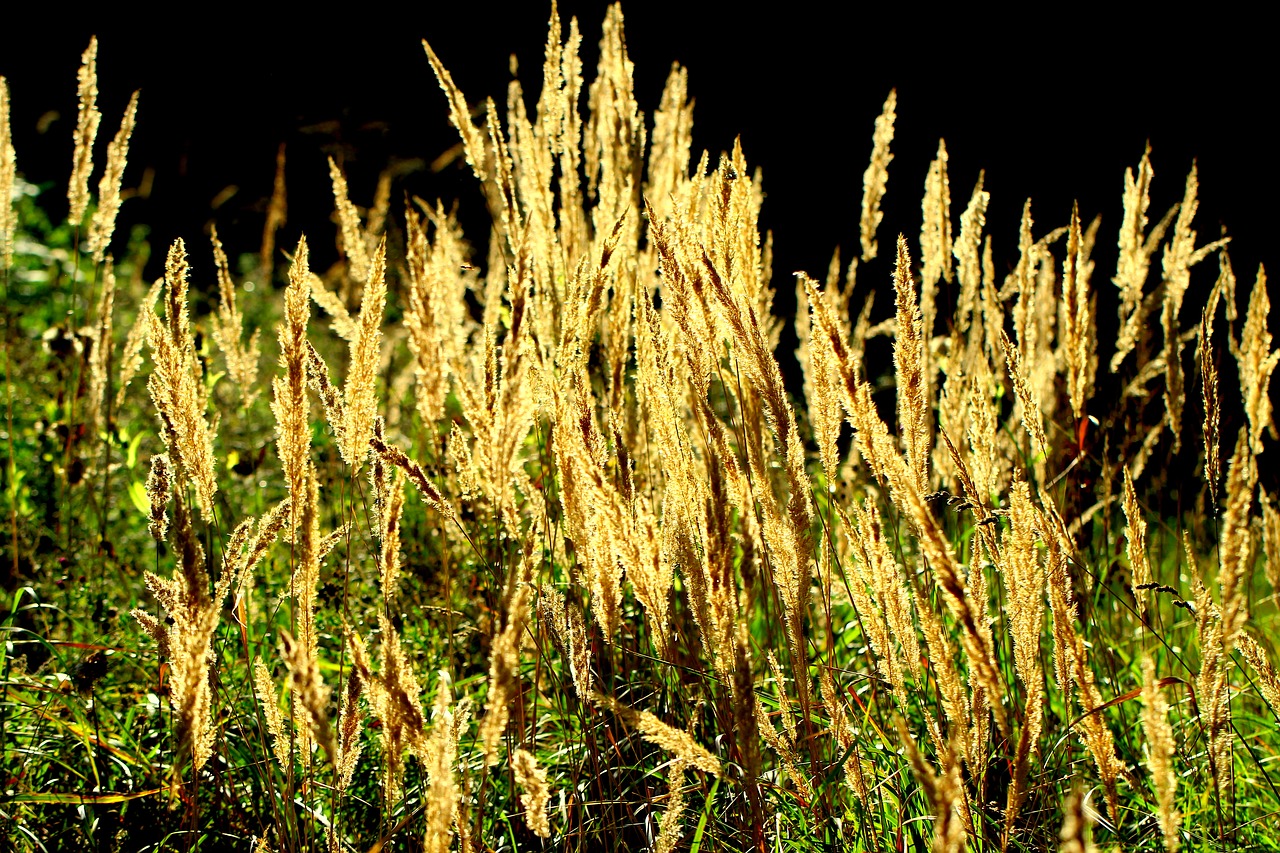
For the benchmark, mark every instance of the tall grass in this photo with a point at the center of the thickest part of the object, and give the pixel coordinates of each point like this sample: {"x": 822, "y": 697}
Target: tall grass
{"x": 527, "y": 544}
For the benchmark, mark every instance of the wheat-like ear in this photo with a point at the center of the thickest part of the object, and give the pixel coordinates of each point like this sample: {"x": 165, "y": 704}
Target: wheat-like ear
{"x": 876, "y": 177}
{"x": 359, "y": 395}
{"x": 290, "y": 404}
{"x": 88, "y": 117}
{"x": 679, "y": 743}
{"x": 103, "y": 224}
{"x": 242, "y": 359}
{"x": 1257, "y": 361}
{"x": 1136, "y": 534}
{"x": 532, "y": 779}
{"x": 1160, "y": 750}
{"x": 8, "y": 176}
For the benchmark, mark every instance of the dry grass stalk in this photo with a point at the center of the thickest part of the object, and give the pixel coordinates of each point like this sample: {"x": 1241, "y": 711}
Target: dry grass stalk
{"x": 1268, "y": 678}
{"x": 159, "y": 483}
{"x": 569, "y": 632}
{"x": 1160, "y": 750}
{"x": 101, "y": 350}
{"x": 1136, "y": 537}
{"x": 188, "y": 641}
{"x": 909, "y": 344}
{"x": 352, "y": 235}
{"x": 349, "y": 718}
{"x": 290, "y": 403}
{"x": 103, "y": 224}
{"x": 945, "y": 793}
{"x": 8, "y": 176}
{"x": 310, "y": 693}
{"x": 535, "y": 792}
{"x": 1023, "y": 573}
{"x": 504, "y": 667}
{"x": 1209, "y": 396}
{"x": 438, "y": 754}
{"x": 680, "y": 744}
{"x": 269, "y": 701}
{"x": 359, "y": 395}
{"x": 1271, "y": 542}
{"x": 1075, "y": 836}
{"x": 228, "y": 328}
{"x": 670, "y": 828}
{"x": 1078, "y": 338}
{"x": 177, "y": 386}
{"x": 88, "y": 117}
{"x": 1137, "y": 245}
{"x": 1180, "y": 255}
{"x": 135, "y": 340}
{"x": 1257, "y": 361}
{"x": 876, "y": 177}
{"x": 277, "y": 211}
{"x": 393, "y": 696}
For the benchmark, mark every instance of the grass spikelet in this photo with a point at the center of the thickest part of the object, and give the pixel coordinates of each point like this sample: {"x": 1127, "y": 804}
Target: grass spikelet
{"x": 1137, "y": 245}
{"x": 670, "y": 829}
{"x": 177, "y": 387}
{"x": 1076, "y": 823}
{"x": 359, "y": 395}
{"x": 188, "y": 641}
{"x": 293, "y": 430}
{"x": 310, "y": 691}
{"x": 1210, "y": 430}
{"x": 101, "y": 351}
{"x": 1257, "y": 361}
{"x": 1078, "y": 339}
{"x": 159, "y": 482}
{"x": 535, "y": 792}
{"x": 8, "y": 174}
{"x": 944, "y": 792}
{"x": 103, "y": 223}
{"x": 353, "y": 245}
{"x": 438, "y": 755}
{"x": 908, "y": 361}
{"x": 413, "y": 471}
{"x": 228, "y": 328}
{"x": 393, "y": 695}
{"x": 876, "y": 177}
{"x": 88, "y": 117}
{"x": 135, "y": 340}
{"x": 460, "y": 115}
{"x": 680, "y": 744}
{"x": 1160, "y": 749}
{"x": 1032, "y": 414}
{"x": 277, "y": 213}
{"x": 269, "y": 701}
{"x": 504, "y": 672}
{"x": 1136, "y": 536}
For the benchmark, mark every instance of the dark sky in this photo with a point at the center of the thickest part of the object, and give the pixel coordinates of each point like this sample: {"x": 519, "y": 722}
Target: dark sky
{"x": 1053, "y": 107}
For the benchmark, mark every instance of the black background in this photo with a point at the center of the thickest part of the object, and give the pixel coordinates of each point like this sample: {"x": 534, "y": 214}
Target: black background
{"x": 1054, "y": 105}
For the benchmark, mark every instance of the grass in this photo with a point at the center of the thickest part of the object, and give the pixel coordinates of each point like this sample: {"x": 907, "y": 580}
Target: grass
{"x": 567, "y": 502}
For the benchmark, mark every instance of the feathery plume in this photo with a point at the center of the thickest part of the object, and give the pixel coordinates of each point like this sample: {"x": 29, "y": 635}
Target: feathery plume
{"x": 535, "y": 793}
{"x": 277, "y": 210}
{"x": 1074, "y": 837}
{"x": 359, "y": 395}
{"x": 228, "y": 326}
{"x": 100, "y": 353}
{"x": 1136, "y": 535}
{"x": 438, "y": 753}
{"x": 876, "y": 177}
{"x": 88, "y": 117}
{"x": 908, "y": 360}
{"x": 679, "y": 743}
{"x": 669, "y": 829}
{"x": 159, "y": 482}
{"x": 352, "y": 235}
{"x": 310, "y": 690}
{"x": 135, "y": 340}
{"x": 177, "y": 386}
{"x": 293, "y": 428}
{"x": 8, "y": 175}
{"x": 1078, "y": 339}
{"x": 274, "y": 718}
{"x": 103, "y": 224}
{"x": 1160, "y": 749}
{"x": 1210, "y": 398}
{"x": 1257, "y": 361}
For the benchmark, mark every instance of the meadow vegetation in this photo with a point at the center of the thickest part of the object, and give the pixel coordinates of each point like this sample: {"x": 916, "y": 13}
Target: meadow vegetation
{"x": 521, "y": 540}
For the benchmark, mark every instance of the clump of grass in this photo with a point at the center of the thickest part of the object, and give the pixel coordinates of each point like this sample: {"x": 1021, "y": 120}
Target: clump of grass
{"x": 691, "y": 607}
